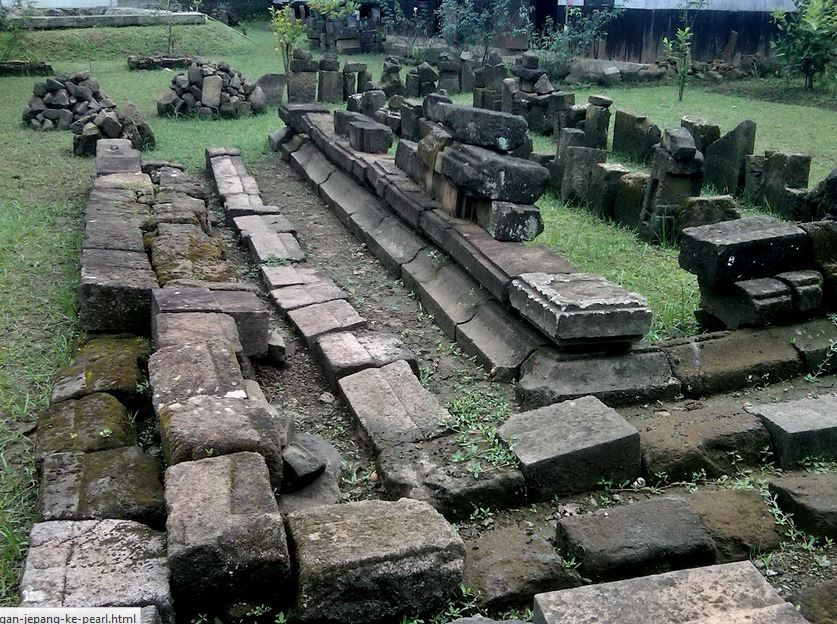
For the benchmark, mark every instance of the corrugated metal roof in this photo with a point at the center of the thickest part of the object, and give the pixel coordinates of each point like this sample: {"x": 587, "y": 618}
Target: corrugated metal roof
{"x": 764, "y": 6}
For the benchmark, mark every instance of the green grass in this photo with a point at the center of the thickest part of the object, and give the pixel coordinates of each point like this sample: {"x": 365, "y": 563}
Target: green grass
{"x": 594, "y": 246}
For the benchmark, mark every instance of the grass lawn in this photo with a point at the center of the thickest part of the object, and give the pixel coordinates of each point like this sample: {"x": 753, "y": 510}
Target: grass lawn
{"x": 42, "y": 189}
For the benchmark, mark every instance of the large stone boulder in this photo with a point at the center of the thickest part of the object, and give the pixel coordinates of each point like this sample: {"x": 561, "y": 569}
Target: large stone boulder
{"x": 477, "y": 126}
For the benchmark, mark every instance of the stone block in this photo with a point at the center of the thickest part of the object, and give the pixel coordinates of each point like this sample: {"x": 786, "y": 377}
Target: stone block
{"x": 813, "y": 342}
{"x": 604, "y": 189}
{"x": 116, "y": 156}
{"x": 77, "y": 426}
{"x": 104, "y": 364}
{"x": 116, "y": 298}
{"x": 272, "y": 246}
{"x": 120, "y": 483}
{"x": 724, "y": 362}
{"x": 330, "y": 86}
{"x": 549, "y": 377}
{"x": 477, "y": 126}
{"x": 703, "y": 132}
{"x": 322, "y": 318}
{"x": 568, "y": 137}
{"x": 596, "y": 124}
{"x": 343, "y": 119}
{"x": 296, "y": 296}
{"x": 506, "y": 221}
{"x": 580, "y": 308}
{"x": 171, "y": 330}
{"x": 198, "y": 369}
{"x": 748, "y": 248}
{"x": 749, "y": 303}
{"x": 651, "y": 536}
{"x": 811, "y": 499}
{"x": 288, "y": 275}
{"x": 293, "y": 112}
{"x": 226, "y": 538}
{"x": 806, "y": 288}
{"x": 484, "y": 173}
{"x": 572, "y": 446}
{"x": 96, "y": 563}
{"x": 446, "y": 292}
{"x": 578, "y": 164}
{"x": 311, "y": 474}
{"x": 725, "y": 157}
{"x": 706, "y": 210}
{"x": 509, "y": 565}
{"x": 370, "y": 137}
{"x": 373, "y": 560}
{"x": 733, "y": 593}
{"x": 346, "y": 353}
{"x": 302, "y": 87}
{"x": 635, "y": 136}
{"x": 391, "y": 406}
{"x": 393, "y": 244}
{"x": 207, "y": 426}
{"x": 801, "y": 428}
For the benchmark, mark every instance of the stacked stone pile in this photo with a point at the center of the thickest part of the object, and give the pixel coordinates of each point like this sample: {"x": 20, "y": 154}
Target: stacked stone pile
{"x": 450, "y": 73}
{"x": 422, "y": 80}
{"x": 758, "y": 271}
{"x": 391, "y": 83}
{"x": 330, "y": 83}
{"x": 302, "y": 77}
{"x": 348, "y": 35}
{"x": 125, "y": 123}
{"x": 355, "y": 77}
{"x": 158, "y": 61}
{"x": 488, "y": 83}
{"x": 211, "y": 90}
{"x": 533, "y": 97}
{"x": 61, "y": 100}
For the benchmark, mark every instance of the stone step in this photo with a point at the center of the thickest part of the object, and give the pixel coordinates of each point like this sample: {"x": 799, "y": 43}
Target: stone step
{"x": 315, "y": 320}
{"x": 707, "y": 594}
{"x": 300, "y": 295}
{"x": 811, "y": 499}
{"x": 391, "y": 406}
{"x": 345, "y": 353}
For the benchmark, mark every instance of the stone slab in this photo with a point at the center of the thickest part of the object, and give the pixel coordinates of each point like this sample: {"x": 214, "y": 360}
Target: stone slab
{"x": 394, "y": 244}
{"x": 548, "y": 377}
{"x": 345, "y": 353}
{"x": 580, "y": 308}
{"x": 172, "y": 329}
{"x": 115, "y": 298}
{"x": 226, "y": 538}
{"x": 323, "y": 318}
{"x": 572, "y": 446}
{"x": 373, "y": 560}
{"x": 651, "y": 536}
{"x": 811, "y": 499}
{"x": 391, "y": 406}
{"x": 121, "y": 483}
{"x": 96, "y": 563}
{"x": 451, "y": 296}
{"x": 207, "y": 426}
{"x": 707, "y": 594}
{"x": 299, "y": 295}
{"x": 801, "y": 428}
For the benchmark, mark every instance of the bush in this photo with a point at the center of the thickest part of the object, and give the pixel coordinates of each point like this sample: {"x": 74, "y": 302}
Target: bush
{"x": 288, "y": 31}
{"x": 807, "y": 43}
{"x": 474, "y": 24}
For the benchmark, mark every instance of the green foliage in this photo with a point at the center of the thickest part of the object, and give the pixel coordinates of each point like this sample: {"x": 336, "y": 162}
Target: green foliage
{"x": 808, "y": 38}
{"x": 333, "y": 8}
{"x": 288, "y": 31}
{"x": 679, "y": 51}
{"x": 475, "y": 416}
{"x": 415, "y": 26}
{"x": 473, "y": 24}
{"x": 558, "y": 44}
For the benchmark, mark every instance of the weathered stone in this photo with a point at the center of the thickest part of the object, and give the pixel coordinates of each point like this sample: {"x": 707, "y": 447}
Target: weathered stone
{"x": 749, "y": 303}
{"x": 302, "y": 492}
{"x": 725, "y": 157}
{"x": 346, "y": 353}
{"x": 683, "y": 442}
{"x": 506, "y": 221}
{"x": 207, "y": 426}
{"x": 571, "y": 446}
{"x": 679, "y": 143}
{"x": 121, "y": 483}
{"x": 733, "y": 593}
{"x": 77, "y": 426}
{"x": 578, "y": 164}
{"x": 484, "y": 173}
{"x": 801, "y": 428}
{"x": 476, "y": 126}
{"x": 806, "y": 288}
{"x": 185, "y": 251}
{"x": 580, "y": 308}
{"x": 370, "y": 137}
{"x": 391, "y": 406}
{"x": 293, "y": 112}
{"x": 373, "y": 560}
{"x": 508, "y": 566}
{"x": 96, "y": 563}
{"x": 752, "y": 247}
{"x": 104, "y": 364}
{"x": 226, "y": 539}
{"x": 818, "y": 602}
{"x": 739, "y": 522}
{"x": 604, "y": 189}
{"x": 330, "y": 86}
{"x": 322, "y": 318}
{"x": 813, "y": 340}
{"x": 191, "y": 370}
{"x": 723, "y": 362}
{"x": 706, "y": 210}
{"x": 195, "y": 327}
{"x": 115, "y": 291}
{"x": 296, "y": 296}
{"x": 568, "y": 137}
{"x": 811, "y": 499}
{"x": 650, "y": 536}
{"x": 302, "y": 87}
{"x": 116, "y": 156}
{"x": 548, "y": 377}
{"x": 635, "y": 136}
{"x": 274, "y": 87}
{"x": 287, "y": 275}
{"x": 596, "y": 126}
{"x": 703, "y": 132}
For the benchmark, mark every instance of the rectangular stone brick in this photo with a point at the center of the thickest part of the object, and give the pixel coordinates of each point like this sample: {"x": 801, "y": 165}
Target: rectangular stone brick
{"x": 346, "y": 353}
{"x": 300, "y": 295}
{"x": 172, "y": 329}
{"x": 322, "y": 318}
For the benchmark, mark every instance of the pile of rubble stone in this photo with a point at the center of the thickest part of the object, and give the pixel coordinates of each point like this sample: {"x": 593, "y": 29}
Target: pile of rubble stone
{"x": 532, "y": 95}
{"x": 61, "y": 100}
{"x": 211, "y": 90}
{"x": 126, "y": 123}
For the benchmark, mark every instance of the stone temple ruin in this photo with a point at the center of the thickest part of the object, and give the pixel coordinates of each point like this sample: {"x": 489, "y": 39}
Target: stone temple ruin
{"x": 248, "y": 509}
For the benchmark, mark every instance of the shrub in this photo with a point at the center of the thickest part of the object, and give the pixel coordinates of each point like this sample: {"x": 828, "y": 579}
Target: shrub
{"x": 807, "y": 42}
{"x": 288, "y": 31}
{"x": 474, "y": 24}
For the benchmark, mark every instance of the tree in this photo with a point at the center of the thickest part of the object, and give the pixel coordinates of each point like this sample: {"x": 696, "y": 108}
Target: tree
{"x": 679, "y": 51}
{"x": 288, "y": 31}
{"x": 333, "y": 8}
{"x": 807, "y": 41}
{"x": 474, "y": 24}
